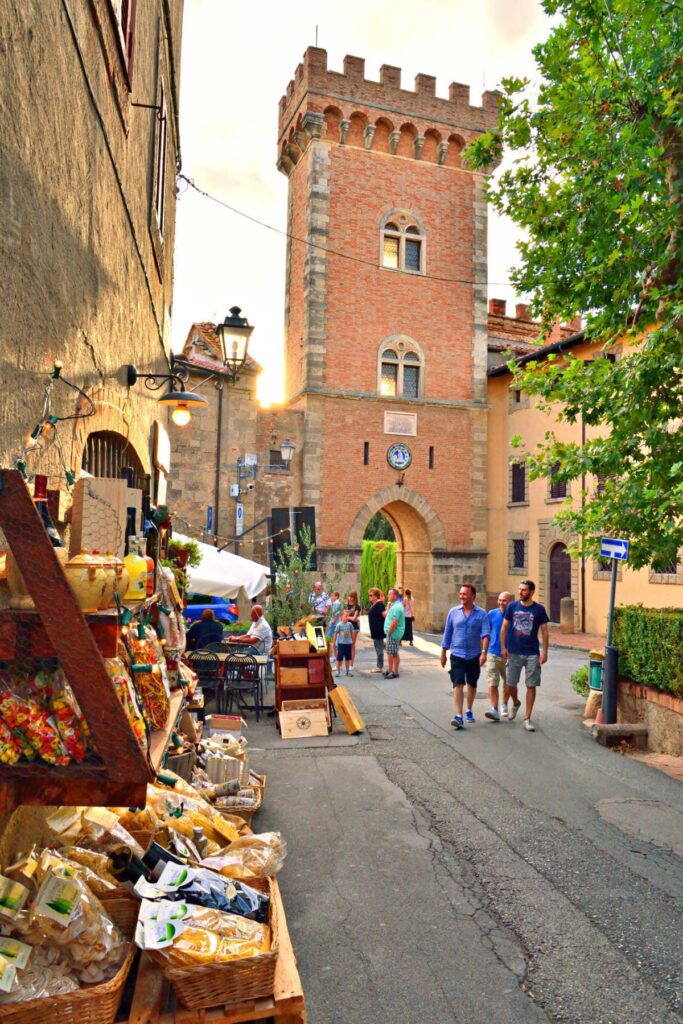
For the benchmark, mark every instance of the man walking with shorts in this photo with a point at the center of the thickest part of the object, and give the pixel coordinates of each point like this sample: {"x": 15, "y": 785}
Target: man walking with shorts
{"x": 466, "y": 636}
{"x": 520, "y": 648}
{"x": 394, "y": 626}
{"x": 495, "y": 662}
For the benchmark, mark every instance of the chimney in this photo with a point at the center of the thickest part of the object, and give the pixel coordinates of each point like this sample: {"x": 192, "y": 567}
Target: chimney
{"x": 497, "y": 307}
{"x": 555, "y": 334}
{"x": 522, "y": 311}
{"x": 458, "y": 93}
{"x": 575, "y": 325}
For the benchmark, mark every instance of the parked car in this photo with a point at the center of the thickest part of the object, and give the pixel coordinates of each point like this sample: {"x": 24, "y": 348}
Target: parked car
{"x": 224, "y": 610}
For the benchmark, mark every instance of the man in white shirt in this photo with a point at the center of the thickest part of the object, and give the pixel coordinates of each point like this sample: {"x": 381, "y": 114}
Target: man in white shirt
{"x": 319, "y": 600}
{"x": 260, "y": 633}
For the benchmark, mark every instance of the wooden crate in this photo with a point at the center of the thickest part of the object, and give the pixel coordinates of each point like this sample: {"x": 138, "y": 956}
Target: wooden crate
{"x": 152, "y": 1001}
{"x": 290, "y": 648}
{"x": 346, "y": 709}
{"x": 294, "y": 676}
{"x": 309, "y": 703}
{"x": 302, "y": 724}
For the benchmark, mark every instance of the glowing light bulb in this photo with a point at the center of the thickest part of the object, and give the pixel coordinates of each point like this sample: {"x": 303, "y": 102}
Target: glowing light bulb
{"x": 181, "y": 415}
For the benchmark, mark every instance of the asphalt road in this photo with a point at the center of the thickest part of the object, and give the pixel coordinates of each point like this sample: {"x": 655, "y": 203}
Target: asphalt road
{"x": 489, "y": 875}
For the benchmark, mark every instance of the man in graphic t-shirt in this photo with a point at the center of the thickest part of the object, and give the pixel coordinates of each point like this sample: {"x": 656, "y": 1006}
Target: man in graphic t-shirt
{"x": 520, "y": 648}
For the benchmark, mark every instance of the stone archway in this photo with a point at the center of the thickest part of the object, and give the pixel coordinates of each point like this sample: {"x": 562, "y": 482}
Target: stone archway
{"x": 419, "y": 535}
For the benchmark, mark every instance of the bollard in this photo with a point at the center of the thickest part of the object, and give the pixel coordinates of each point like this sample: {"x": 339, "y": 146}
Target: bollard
{"x": 610, "y": 680}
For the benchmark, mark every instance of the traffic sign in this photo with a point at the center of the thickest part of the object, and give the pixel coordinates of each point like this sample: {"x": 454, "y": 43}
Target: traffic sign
{"x": 239, "y": 519}
{"x": 611, "y": 547}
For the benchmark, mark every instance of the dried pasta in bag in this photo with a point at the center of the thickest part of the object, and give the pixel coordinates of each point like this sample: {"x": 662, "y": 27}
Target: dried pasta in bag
{"x": 256, "y": 856}
{"x": 67, "y": 915}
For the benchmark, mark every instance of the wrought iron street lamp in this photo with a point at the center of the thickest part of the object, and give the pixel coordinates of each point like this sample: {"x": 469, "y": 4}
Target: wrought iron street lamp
{"x": 287, "y": 450}
{"x": 234, "y": 334}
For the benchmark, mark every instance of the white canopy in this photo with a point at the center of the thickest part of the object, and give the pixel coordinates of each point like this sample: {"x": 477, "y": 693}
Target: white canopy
{"x": 221, "y": 573}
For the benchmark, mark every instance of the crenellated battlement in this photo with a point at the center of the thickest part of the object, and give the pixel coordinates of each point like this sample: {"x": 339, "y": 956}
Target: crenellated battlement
{"x": 351, "y": 86}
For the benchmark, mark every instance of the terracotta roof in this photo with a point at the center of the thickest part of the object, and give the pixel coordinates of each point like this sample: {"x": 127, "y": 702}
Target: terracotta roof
{"x": 203, "y": 340}
{"x": 563, "y": 345}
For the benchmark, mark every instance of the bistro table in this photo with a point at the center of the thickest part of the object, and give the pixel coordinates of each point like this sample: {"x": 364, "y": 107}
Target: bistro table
{"x": 261, "y": 660}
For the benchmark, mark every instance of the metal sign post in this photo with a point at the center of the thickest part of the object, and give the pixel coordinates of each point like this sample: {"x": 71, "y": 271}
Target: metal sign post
{"x": 617, "y": 550}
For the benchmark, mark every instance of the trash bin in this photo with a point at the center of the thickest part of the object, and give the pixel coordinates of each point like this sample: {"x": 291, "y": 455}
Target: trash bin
{"x": 595, "y": 669}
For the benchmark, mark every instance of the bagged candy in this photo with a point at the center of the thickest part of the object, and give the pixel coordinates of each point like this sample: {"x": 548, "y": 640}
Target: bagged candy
{"x": 35, "y": 729}
{"x": 10, "y": 747}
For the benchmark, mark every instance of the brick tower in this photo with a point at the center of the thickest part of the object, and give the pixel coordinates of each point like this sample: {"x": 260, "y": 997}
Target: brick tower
{"x": 388, "y": 347}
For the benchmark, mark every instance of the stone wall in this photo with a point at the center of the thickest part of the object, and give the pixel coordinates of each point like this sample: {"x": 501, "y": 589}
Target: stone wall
{"x": 661, "y": 712}
{"x": 87, "y": 274}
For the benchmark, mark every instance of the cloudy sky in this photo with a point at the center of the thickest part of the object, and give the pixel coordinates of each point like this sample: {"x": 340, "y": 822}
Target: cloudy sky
{"x": 236, "y": 62}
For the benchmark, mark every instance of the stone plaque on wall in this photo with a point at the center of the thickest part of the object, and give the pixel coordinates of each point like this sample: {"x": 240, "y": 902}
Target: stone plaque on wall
{"x": 403, "y": 423}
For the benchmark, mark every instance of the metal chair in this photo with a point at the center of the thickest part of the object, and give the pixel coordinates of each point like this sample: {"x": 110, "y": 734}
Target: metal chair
{"x": 241, "y": 677}
{"x": 208, "y": 669}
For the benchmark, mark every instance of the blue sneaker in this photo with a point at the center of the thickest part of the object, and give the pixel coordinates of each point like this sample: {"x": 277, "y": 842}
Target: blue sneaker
{"x": 457, "y": 722}
{"x": 469, "y": 718}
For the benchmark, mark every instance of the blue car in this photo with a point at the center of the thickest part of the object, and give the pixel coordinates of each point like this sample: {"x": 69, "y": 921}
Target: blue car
{"x": 223, "y": 609}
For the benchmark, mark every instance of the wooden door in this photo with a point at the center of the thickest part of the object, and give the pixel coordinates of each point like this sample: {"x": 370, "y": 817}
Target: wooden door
{"x": 560, "y": 579}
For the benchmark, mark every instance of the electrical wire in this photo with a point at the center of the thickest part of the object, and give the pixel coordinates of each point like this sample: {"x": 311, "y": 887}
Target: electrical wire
{"x": 325, "y": 249}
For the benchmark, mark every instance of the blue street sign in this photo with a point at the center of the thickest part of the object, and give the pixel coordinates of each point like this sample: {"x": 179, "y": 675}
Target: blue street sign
{"x": 209, "y": 518}
{"x": 611, "y": 547}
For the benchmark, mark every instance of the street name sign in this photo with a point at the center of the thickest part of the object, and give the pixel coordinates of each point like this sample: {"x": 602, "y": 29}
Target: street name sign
{"x": 612, "y": 547}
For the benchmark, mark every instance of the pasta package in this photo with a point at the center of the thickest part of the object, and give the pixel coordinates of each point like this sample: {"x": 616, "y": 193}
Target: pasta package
{"x": 256, "y": 856}
{"x": 184, "y": 935}
{"x": 125, "y": 691}
{"x": 66, "y": 915}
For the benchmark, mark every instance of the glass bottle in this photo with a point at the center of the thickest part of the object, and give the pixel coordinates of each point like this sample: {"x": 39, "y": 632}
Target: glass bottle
{"x": 40, "y": 500}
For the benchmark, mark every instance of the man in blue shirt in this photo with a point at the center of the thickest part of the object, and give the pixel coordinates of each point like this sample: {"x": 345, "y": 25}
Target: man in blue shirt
{"x": 520, "y": 648}
{"x": 466, "y": 636}
{"x": 495, "y": 662}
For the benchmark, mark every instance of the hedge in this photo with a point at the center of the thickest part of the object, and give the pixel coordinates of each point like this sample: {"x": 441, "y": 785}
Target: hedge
{"x": 377, "y": 567}
{"x": 650, "y": 642}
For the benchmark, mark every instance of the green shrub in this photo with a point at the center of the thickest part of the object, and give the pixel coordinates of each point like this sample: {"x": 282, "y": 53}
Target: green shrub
{"x": 236, "y": 627}
{"x": 650, "y": 642}
{"x": 377, "y": 567}
{"x": 579, "y": 681}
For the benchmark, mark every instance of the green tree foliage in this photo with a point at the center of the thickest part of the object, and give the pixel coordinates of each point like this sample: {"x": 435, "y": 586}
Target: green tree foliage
{"x": 377, "y": 567}
{"x": 294, "y": 580}
{"x": 595, "y": 179}
{"x": 379, "y": 528}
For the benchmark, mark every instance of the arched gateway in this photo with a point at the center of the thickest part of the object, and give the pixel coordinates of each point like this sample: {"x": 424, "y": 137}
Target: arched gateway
{"x": 420, "y": 537}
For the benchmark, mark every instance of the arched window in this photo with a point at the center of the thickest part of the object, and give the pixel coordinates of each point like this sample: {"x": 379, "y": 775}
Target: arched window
{"x": 403, "y": 245}
{"x": 107, "y": 454}
{"x": 400, "y": 370}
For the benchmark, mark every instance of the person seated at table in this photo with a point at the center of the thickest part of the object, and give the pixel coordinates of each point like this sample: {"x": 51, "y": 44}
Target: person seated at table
{"x": 207, "y": 630}
{"x": 260, "y": 634}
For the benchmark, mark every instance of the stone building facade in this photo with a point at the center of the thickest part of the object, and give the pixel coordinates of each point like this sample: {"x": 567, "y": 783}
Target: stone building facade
{"x": 90, "y": 147}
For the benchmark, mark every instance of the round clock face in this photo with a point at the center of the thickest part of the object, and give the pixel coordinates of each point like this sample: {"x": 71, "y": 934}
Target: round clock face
{"x": 399, "y": 456}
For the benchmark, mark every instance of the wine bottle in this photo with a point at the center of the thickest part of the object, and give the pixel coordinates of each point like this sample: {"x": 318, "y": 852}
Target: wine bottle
{"x": 131, "y": 546}
{"x": 40, "y": 500}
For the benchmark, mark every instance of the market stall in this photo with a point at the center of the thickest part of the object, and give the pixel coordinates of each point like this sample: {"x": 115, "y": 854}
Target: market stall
{"x": 224, "y": 574}
{"x": 135, "y": 888}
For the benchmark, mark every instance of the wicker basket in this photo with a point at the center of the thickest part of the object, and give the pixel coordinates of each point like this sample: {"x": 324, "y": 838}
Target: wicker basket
{"x": 245, "y": 813}
{"x": 233, "y": 982}
{"x": 97, "y": 1004}
{"x": 123, "y": 908}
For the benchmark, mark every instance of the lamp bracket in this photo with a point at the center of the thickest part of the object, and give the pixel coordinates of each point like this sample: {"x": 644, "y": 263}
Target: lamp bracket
{"x": 178, "y": 376}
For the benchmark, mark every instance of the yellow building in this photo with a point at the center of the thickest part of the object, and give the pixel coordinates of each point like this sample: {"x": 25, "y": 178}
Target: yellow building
{"x": 522, "y": 540}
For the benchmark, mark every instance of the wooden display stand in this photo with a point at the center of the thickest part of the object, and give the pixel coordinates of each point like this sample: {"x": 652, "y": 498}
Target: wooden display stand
{"x": 152, "y": 997}
{"x": 301, "y": 674}
{"x": 59, "y": 627}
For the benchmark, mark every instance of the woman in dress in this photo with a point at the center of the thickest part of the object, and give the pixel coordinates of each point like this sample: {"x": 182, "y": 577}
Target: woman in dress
{"x": 353, "y": 611}
{"x": 408, "y": 605}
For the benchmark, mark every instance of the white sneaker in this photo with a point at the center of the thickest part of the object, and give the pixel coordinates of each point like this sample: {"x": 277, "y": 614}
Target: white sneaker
{"x": 503, "y": 710}
{"x": 337, "y": 671}
{"x": 529, "y": 725}
{"x": 516, "y": 705}
{"x": 349, "y": 671}
{"x": 493, "y": 714}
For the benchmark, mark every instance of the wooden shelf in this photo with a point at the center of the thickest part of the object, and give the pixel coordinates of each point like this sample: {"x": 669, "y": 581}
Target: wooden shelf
{"x": 160, "y": 737}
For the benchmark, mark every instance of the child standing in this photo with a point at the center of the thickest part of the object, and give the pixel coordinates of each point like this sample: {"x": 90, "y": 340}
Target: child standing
{"x": 343, "y": 636}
